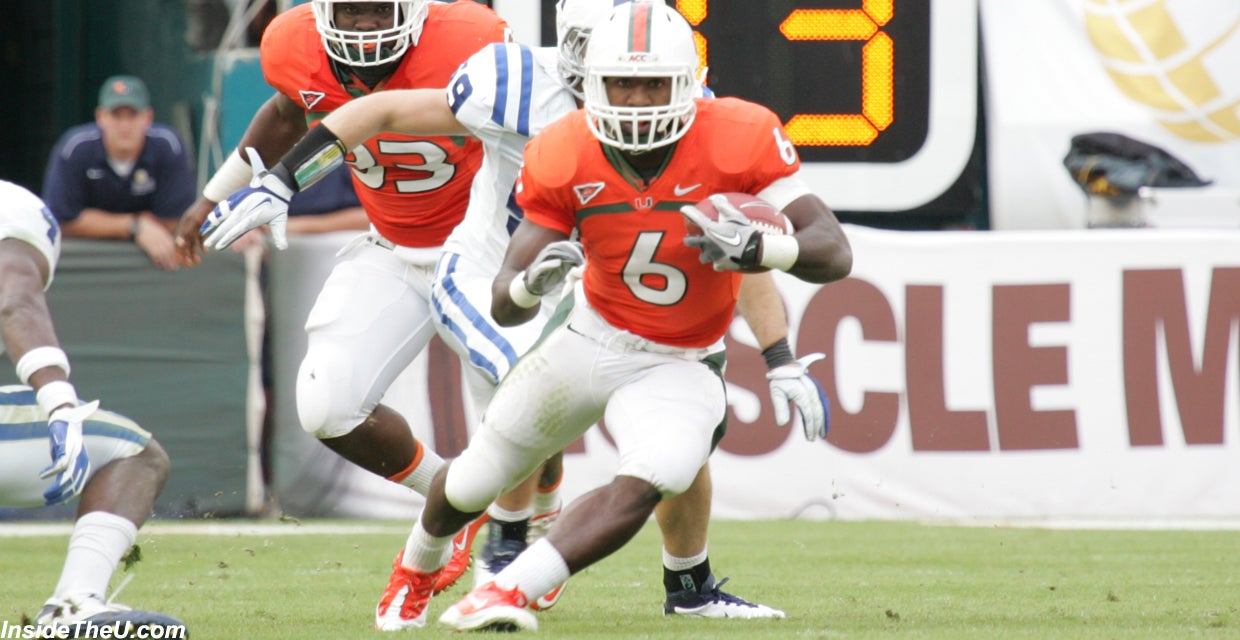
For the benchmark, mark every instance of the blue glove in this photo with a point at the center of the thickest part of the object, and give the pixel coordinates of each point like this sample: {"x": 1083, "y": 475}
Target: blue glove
{"x": 792, "y": 383}
{"x": 70, "y": 464}
{"x": 264, "y": 202}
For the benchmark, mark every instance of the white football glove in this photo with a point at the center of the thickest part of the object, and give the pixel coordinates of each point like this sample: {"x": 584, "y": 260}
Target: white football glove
{"x": 264, "y": 202}
{"x": 730, "y": 243}
{"x": 70, "y": 464}
{"x": 552, "y": 265}
{"x": 792, "y": 383}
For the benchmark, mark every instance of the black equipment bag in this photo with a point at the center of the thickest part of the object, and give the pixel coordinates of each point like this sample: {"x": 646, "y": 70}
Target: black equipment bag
{"x": 1114, "y": 165}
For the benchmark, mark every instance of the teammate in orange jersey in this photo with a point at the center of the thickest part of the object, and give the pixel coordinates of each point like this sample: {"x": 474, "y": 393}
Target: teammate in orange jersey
{"x": 373, "y": 315}
{"x": 640, "y": 338}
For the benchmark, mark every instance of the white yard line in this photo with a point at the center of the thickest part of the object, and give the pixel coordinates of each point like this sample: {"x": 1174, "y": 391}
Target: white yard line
{"x": 1100, "y": 524}
{"x": 219, "y": 528}
{"x": 380, "y": 527}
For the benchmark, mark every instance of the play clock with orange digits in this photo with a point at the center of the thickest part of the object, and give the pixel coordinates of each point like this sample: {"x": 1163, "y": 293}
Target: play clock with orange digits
{"x": 879, "y": 96}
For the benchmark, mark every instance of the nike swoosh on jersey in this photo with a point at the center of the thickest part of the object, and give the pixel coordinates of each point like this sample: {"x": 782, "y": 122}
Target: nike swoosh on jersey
{"x": 680, "y": 191}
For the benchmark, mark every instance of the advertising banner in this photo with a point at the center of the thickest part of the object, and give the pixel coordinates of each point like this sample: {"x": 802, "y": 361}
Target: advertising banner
{"x": 1057, "y": 374}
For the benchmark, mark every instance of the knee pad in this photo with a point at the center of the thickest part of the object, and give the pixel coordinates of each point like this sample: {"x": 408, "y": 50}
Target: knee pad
{"x": 671, "y": 469}
{"x": 669, "y": 480}
{"x": 483, "y": 472}
{"x": 470, "y": 486}
{"x": 329, "y": 403}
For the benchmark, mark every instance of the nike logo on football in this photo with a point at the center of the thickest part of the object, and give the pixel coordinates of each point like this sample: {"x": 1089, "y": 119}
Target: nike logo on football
{"x": 680, "y": 191}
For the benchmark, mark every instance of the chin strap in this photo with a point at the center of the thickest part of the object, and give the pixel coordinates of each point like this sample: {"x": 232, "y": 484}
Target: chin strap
{"x": 370, "y": 76}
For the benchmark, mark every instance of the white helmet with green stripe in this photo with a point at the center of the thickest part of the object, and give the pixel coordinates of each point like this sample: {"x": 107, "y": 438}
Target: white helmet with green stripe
{"x": 642, "y": 39}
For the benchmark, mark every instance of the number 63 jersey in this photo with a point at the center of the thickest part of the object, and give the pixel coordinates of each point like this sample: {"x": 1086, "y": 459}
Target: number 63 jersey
{"x": 414, "y": 189}
{"x": 639, "y": 274}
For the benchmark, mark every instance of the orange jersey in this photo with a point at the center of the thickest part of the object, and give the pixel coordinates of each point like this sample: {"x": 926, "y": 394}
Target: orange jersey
{"x": 414, "y": 189}
{"x": 639, "y": 274}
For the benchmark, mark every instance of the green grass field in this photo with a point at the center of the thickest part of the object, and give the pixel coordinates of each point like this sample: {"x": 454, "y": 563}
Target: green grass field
{"x": 834, "y": 580}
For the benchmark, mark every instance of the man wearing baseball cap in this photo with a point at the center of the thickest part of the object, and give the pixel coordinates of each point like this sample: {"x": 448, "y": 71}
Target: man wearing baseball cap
{"x": 124, "y": 91}
{"x": 122, "y": 177}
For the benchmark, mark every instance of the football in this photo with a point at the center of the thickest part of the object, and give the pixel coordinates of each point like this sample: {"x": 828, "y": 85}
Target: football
{"x": 761, "y": 214}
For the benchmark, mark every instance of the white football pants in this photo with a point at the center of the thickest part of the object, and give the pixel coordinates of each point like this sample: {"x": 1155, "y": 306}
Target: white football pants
{"x": 660, "y": 404}
{"x": 24, "y": 445}
{"x": 370, "y": 321}
{"x": 461, "y": 295}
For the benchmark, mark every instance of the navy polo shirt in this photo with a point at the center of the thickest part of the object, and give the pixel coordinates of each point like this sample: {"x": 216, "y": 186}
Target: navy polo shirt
{"x": 78, "y": 176}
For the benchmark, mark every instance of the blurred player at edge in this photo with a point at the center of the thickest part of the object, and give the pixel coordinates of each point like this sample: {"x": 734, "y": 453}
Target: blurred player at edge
{"x": 116, "y": 467}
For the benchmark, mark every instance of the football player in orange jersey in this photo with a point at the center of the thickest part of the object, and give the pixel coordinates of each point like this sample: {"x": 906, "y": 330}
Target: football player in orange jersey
{"x": 504, "y": 94}
{"x": 639, "y": 336}
{"x": 373, "y": 315}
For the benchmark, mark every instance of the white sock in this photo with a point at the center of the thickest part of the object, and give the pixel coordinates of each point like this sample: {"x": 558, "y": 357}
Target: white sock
{"x": 538, "y": 569}
{"x": 99, "y": 540}
{"x": 424, "y": 552}
{"x": 420, "y": 478}
{"x": 683, "y": 564}
{"x": 547, "y": 501}
{"x": 503, "y": 515}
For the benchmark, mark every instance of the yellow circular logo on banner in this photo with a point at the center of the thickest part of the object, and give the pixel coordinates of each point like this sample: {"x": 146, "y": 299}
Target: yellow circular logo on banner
{"x": 1180, "y": 58}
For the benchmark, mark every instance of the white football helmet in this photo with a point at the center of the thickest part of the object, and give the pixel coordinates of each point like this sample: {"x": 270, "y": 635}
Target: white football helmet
{"x": 370, "y": 48}
{"x": 573, "y": 21}
{"x": 642, "y": 39}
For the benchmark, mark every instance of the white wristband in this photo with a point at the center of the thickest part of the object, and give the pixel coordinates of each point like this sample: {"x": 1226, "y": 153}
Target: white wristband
{"x": 779, "y": 252}
{"x": 54, "y": 395}
{"x": 232, "y": 175}
{"x": 38, "y": 358}
{"x": 521, "y": 296}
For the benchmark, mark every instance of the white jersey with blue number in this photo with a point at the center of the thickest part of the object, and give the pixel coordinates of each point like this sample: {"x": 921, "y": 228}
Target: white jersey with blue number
{"x": 23, "y": 424}
{"x": 23, "y": 216}
{"x": 504, "y": 94}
